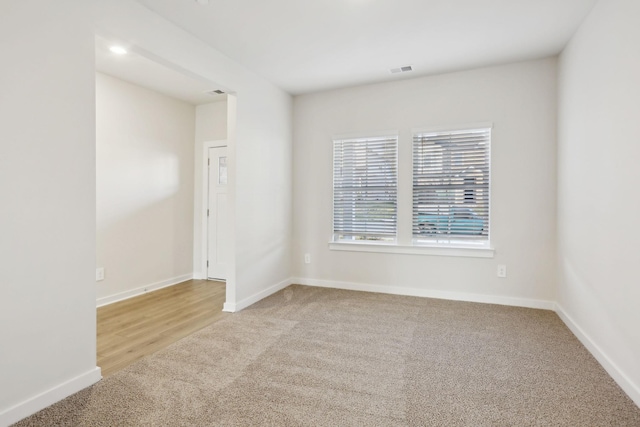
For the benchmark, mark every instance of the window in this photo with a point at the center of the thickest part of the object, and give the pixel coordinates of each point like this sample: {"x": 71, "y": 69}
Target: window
{"x": 365, "y": 180}
{"x": 445, "y": 207}
{"x": 451, "y": 172}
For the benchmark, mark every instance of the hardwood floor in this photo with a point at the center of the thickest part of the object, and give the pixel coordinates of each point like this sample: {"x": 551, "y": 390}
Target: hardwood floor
{"x": 134, "y": 328}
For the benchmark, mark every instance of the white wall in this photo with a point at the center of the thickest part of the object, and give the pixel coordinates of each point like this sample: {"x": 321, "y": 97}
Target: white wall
{"x": 259, "y": 145}
{"x": 598, "y": 203}
{"x": 47, "y": 196}
{"x": 211, "y": 121}
{"x": 211, "y": 125}
{"x": 47, "y": 183}
{"x": 263, "y": 216}
{"x": 520, "y": 100}
{"x": 144, "y": 174}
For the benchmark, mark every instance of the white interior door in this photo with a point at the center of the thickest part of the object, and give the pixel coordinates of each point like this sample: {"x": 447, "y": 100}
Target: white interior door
{"x": 217, "y": 214}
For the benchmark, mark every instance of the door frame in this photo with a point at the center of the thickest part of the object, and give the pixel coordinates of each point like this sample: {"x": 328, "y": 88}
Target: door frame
{"x": 204, "y": 244}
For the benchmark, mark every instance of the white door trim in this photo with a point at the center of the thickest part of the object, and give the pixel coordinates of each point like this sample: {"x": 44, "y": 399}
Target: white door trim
{"x": 206, "y": 145}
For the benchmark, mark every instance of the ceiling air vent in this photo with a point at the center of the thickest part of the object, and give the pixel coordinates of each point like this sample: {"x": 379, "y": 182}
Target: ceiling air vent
{"x": 215, "y": 92}
{"x": 404, "y": 69}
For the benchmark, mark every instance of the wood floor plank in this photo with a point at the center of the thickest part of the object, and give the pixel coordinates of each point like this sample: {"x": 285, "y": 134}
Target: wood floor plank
{"x": 159, "y": 324}
{"x": 153, "y": 315}
{"x": 131, "y": 329}
{"x": 194, "y": 325}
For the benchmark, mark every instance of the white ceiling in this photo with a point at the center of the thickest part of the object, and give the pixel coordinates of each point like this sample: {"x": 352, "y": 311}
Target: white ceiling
{"x": 135, "y": 68}
{"x": 305, "y": 46}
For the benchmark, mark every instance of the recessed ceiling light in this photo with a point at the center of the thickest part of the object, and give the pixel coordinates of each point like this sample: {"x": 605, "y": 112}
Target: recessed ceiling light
{"x": 118, "y": 50}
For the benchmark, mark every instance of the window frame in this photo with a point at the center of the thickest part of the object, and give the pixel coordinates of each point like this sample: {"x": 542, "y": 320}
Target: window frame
{"x": 454, "y": 242}
{"x": 375, "y": 240}
{"x": 407, "y": 244}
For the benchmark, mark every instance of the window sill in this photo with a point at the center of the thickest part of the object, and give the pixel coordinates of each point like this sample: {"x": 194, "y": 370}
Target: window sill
{"x": 392, "y": 248}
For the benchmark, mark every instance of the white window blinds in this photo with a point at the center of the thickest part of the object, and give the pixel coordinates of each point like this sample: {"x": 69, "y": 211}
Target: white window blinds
{"x": 451, "y": 186}
{"x": 365, "y": 179}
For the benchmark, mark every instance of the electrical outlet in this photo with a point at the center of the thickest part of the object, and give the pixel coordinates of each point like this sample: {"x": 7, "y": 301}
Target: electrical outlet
{"x": 307, "y": 258}
{"x": 99, "y": 274}
{"x": 502, "y": 270}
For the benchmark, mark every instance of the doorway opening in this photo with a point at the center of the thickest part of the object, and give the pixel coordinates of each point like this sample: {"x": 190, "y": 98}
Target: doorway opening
{"x": 152, "y": 122}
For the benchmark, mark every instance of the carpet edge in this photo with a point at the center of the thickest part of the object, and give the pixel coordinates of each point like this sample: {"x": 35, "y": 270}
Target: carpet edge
{"x": 626, "y": 384}
{"x": 428, "y": 293}
{"x": 241, "y": 305}
{"x": 48, "y": 397}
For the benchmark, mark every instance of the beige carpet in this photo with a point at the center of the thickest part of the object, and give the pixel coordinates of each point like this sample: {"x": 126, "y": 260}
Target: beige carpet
{"x": 318, "y": 357}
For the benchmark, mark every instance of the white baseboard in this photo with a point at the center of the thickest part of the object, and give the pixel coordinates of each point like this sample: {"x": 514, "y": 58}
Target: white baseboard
{"x": 428, "y": 293}
{"x": 49, "y": 397}
{"x": 142, "y": 290}
{"x": 625, "y": 383}
{"x": 233, "y": 307}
